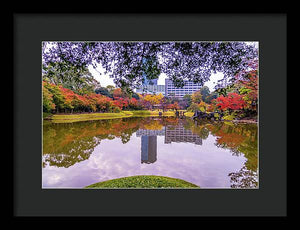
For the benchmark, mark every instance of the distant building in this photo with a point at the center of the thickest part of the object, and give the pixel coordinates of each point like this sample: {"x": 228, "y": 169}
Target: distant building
{"x": 150, "y": 82}
{"x": 151, "y": 89}
{"x": 188, "y": 88}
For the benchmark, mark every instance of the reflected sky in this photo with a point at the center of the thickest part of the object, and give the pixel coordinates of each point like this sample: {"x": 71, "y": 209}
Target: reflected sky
{"x": 171, "y": 150}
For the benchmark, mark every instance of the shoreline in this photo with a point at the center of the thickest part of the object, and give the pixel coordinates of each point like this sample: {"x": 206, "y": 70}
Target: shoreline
{"x": 69, "y": 118}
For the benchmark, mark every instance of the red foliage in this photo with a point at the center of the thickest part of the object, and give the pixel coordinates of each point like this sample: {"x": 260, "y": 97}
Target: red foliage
{"x": 232, "y": 101}
{"x": 120, "y": 102}
{"x": 173, "y": 106}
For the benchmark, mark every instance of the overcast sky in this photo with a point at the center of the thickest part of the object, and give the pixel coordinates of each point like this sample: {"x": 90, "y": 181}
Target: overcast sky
{"x": 105, "y": 80}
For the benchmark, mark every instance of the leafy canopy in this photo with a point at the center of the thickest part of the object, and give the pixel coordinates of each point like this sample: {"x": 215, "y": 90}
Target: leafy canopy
{"x": 123, "y": 61}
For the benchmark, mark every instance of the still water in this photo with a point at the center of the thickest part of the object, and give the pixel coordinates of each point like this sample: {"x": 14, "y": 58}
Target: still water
{"x": 208, "y": 154}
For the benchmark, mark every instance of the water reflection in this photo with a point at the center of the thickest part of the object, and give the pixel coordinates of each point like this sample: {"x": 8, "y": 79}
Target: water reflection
{"x": 66, "y": 145}
{"x": 179, "y": 134}
{"x": 148, "y": 149}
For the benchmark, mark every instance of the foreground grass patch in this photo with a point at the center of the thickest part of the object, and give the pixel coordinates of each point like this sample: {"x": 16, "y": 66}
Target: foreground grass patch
{"x": 144, "y": 181}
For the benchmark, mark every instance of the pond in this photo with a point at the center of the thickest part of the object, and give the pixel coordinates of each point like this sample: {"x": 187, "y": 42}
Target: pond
{"x": 207, "y": 154}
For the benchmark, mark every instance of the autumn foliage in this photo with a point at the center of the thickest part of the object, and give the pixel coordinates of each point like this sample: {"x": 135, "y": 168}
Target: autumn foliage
{"x": 59, "y": 99}
{"x": 232, "y": 101}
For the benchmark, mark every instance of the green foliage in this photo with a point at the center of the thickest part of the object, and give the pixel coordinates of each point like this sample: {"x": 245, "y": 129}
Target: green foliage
{"x": 188, "y": 98}
{"x": 57, "y": 96}
{"x": 205, "y": 92}
{"x": 150, "y": 68}
{"x": 48, "y": 104}
{"x": 135, "y": 95}
{"x": 77, "y": 79}
{"x": 196, "y": 97}
{"x": 244, "y": 90}
{"x": 211, "y": 97}
{"x": 228, "y": 89}
{"x": 193, "y": 107}
{"x": 103, "y": 91}
{"x": 115, "y": 109}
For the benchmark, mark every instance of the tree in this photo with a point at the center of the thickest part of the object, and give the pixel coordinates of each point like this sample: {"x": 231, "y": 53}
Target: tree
{"x": 193, "y": 107}
{"x": 69, "y": 97}
{"x": 188, "y": 99}
{"x": 233, "y": 101}
{"x": 110, "y": 89}
{"x": 79, "y": 80}
{"x": 205, "y": 93}
{"x": 194, "y": 61}
{"x": 118, "y": 92}
{"x": 153, "y": 99}
{"x": 135, "y": 95}
{"x": 120, "y": 102}
{"x": 103, "y": 91}
{"x": 211, "y": 96}
{"x": 48, "y": 104}
{"x": 196, "y": 97}
{"x": 203, "y": 106}
{"x": 57, "y": 96}
{"x": 249, "y": 89}
{"x": 174, "y": 106}
{"x": 165, "y": 101}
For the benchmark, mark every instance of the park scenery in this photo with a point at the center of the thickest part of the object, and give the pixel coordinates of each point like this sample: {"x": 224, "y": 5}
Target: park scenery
{"x": 150, "y": 115}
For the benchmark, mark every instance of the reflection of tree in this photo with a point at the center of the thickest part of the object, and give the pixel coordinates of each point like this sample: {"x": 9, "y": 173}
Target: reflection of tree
{"x": 240, "y": 139}
{"x": 152, "y": 124}
{"x": 72, "y": 153}
{"x": 198, "y": 128}
{"x": 244, "y": 178}
{"x": 66, "y": 144}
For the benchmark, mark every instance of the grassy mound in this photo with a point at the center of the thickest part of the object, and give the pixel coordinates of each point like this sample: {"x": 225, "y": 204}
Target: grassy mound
{"x": 144, "y": 181}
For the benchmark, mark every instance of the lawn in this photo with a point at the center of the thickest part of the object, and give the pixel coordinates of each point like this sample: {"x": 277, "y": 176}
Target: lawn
{"x": 143, "y": 181}
{"x": 66, "y": 118}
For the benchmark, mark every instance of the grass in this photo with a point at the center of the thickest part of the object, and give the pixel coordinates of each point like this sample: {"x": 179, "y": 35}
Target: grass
{"x": 66, "y": 118}
{"x": 46, "y": 115}
{"x": 144, "y": 181}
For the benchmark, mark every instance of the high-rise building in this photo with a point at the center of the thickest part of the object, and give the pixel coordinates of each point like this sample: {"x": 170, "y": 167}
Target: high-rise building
{"x": 151, "y": 89}
{"x": 188, "y": 88}
{"x": 150, "y": 82}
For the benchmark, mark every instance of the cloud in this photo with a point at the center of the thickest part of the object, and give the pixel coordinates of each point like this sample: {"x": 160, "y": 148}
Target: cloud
{"x": 205, "y": 165}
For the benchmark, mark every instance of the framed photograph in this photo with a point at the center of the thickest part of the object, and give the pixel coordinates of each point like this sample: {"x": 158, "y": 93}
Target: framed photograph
{"x": 149, "y": 115}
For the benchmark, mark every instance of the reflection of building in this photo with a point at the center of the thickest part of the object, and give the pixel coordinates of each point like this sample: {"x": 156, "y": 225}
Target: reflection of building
{"x": 176, "y": 133}
{"x": 179, "y": 134}
{"x": 149, "y": 149}
{"x": 149, "y": 132}
{"x": 188, "y": 88}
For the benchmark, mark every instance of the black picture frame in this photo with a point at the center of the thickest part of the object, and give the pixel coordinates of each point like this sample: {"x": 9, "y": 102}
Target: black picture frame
{"x": 29, "y": 199}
